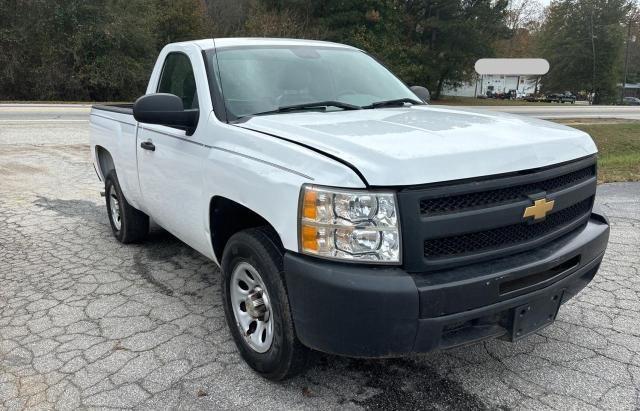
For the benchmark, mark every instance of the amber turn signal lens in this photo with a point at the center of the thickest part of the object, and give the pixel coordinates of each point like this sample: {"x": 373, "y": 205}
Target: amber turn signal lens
{"x": 309, "y": 204}
{"x": 309, "y": 238}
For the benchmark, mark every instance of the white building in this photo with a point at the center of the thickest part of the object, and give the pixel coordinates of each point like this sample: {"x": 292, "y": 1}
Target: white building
{"x": 496, "y": 83}
{"x": 631, "y": 89}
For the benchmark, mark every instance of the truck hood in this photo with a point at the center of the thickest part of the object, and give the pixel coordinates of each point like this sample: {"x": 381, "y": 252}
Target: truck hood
{"x": 427, "y": 144}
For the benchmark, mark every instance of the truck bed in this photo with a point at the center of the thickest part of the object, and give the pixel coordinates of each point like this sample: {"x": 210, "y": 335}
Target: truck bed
{"x": 122, "y": 108}
{"x": 114, "y": 131}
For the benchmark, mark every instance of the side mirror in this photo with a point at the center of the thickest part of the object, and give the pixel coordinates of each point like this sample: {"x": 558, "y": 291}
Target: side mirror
{"x": 166, "y": 110}
{"x": 422, "y": 93}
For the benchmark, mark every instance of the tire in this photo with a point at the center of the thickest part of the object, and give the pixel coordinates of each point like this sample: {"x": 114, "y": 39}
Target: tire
{"x": 276, "y": 355}
{"x": 129, "y": 225}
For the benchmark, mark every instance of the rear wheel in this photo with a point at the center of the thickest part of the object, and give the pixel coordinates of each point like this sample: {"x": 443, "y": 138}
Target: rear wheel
{"x": 257, "y": 307}
{"x": 129, "y": 225}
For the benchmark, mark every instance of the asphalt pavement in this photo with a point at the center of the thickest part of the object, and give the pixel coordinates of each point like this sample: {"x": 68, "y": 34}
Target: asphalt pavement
{"x": 563, "y": 111}
{"x": 86, "y": 322}
{"x": 44, "y": 113}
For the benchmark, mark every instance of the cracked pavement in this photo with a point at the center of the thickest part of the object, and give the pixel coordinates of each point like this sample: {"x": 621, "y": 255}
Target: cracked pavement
{"x": 86, "y": 322}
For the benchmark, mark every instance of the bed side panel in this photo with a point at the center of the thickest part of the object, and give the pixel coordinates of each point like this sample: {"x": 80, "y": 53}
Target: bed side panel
{"x": 115, "y": 131}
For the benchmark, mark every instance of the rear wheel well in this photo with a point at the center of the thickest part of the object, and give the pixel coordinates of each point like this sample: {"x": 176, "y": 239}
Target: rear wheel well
{"x": 227, "y": 217}
{"x": 105, "y": 161}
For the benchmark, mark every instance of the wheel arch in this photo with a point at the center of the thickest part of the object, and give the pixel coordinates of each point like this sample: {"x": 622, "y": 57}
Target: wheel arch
{"x": 105, "y": 162}
{"x": 227, "y": 217}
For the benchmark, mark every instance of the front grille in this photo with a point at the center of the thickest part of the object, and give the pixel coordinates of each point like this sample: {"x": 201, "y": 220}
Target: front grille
{"x": 505, "y": 236}
{"x": 463, "y": 222}
{"x": 464, "y": 202}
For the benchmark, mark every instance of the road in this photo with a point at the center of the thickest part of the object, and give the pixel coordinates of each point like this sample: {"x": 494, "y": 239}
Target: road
{"x": 87, "y": 322}
{"x": 562, "y": 111}
{"x": 57, "y": 113}
{"x": 49, "y": 113}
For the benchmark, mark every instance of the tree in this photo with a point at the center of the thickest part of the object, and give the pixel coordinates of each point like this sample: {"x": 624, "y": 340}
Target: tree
{"x": 228, "y": 17}
{"x": 88, "y": 50}
{"x": 375, "y": 26}
{"x": 180, "y": 20}
{"x": 24, "y": 41}
{"x": 445, "y": 38}
{"x": 113, "y": 49}
{"x": 426, "y": 42}
{"x": 583, "y": 41}
{"x": 523, "y": 19}
{"x": 523, "y": 13}
{"x": 104, "y": 50}
{"x": 282, "y": 18}
{"x": 634, "y": 47}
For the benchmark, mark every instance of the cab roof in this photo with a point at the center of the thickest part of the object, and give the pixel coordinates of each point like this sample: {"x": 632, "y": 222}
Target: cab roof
{"x": 206, "y": 44}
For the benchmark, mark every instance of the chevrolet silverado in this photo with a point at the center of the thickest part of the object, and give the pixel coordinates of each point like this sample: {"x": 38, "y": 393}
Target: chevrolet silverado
{"x": 347, "y": 214}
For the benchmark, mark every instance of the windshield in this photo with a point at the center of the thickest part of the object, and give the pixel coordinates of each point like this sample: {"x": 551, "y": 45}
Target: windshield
{"x": 262, "y": 79}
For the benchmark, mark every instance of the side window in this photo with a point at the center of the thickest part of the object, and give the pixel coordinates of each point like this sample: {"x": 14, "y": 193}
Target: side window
{"x": 177, "y": 78}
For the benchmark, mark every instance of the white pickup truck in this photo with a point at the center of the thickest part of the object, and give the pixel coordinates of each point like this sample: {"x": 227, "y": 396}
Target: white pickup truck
{"x": 347, "y": 215}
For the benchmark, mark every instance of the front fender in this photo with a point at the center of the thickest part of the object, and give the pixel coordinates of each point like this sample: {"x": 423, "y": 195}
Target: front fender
{"x": 265, "y": 175}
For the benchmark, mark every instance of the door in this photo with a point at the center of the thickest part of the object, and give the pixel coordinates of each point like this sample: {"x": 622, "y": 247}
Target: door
{"x": 510, "y": 83}
{"x": 170, "y": 162}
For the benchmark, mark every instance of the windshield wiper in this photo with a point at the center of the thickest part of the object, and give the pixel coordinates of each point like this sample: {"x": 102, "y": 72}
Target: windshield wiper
{"x": 398, "y": 102}
{"x": 310, "y": 106}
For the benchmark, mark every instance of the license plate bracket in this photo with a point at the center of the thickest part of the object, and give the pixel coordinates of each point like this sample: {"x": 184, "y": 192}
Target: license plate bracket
{"x": 535, "y": 315}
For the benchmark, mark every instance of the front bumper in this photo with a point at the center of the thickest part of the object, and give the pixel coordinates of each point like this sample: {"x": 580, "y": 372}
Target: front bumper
{"x": 373, "y": 311}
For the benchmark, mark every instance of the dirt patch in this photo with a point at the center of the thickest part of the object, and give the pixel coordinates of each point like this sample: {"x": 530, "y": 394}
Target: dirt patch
{"x": 406, "y": 385}
{"x": 13, "y": 168}
{"x": 72, "y": 149}
{"x": 71, "y": 208}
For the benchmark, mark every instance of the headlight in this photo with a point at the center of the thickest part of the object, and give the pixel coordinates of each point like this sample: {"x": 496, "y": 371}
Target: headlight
{"x": 349, "y": 225}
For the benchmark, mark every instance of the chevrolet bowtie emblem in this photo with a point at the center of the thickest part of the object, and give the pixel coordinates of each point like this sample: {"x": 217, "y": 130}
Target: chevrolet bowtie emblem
{"x": 539, "y": 209}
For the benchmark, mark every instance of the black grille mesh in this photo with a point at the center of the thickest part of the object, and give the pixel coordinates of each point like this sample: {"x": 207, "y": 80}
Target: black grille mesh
{"x": 505, "y": 236}
{"x": 503, "y": 195}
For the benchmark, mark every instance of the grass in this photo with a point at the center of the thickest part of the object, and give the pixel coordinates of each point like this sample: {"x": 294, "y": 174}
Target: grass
{"x": 619, "y": 150}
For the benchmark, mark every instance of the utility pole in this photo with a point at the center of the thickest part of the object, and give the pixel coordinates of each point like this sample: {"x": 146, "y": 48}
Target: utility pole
{"x": 626, "y": 61}
{"x": 475, "y": 92}
{"x": 593, "y": 47}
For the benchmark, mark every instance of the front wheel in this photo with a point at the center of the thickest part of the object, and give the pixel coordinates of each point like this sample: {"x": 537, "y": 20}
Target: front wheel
{"x": 257, "y": 307}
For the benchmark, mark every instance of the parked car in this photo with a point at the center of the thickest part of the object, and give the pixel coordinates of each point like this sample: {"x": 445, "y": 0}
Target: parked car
{"x": 347, "y": 215}
{"x": 531, "y": 97}
{"x": 631, "y": 101}
{"x": 566, "y": 97}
